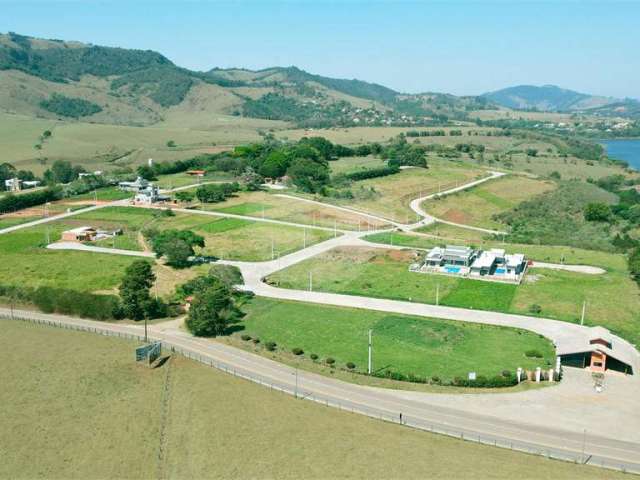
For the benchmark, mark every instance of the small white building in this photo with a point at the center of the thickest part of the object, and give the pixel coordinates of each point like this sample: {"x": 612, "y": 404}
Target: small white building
{"x": 137, "y": 186}
{"x": 150, "y": 195}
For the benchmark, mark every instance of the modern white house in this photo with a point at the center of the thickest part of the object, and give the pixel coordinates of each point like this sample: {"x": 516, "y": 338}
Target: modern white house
{"x": 15, "y": 184}
{"x": 149, "y": 195}
{"x": 494, "y": 264}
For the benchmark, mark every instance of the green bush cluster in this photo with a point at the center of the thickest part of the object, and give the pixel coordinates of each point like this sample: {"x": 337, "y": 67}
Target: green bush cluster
{"x": 373, "y": 173}
{"x": 66, "y": 302}
{"x": 11, "y": 202}
{"x": 69, "y": 106}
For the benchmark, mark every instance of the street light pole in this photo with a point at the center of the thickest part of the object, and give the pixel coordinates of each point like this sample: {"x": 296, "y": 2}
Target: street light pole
{"x": 584, "y": 308}
{"x": 145, "y": 330}
{"x": 370, "y": 347}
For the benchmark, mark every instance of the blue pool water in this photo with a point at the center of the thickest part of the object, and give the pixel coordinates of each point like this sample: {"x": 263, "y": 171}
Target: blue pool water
{"x": 500, "y": 271}
{"x": 452, "y": 269}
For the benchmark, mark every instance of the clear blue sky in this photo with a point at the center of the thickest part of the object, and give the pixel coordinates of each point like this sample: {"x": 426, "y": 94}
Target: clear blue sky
{"x": 461, "y": 47}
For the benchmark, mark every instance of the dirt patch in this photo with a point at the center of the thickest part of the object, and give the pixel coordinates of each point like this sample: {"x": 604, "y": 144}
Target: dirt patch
{"x": 457, "y": 216}
{"x": 402, "y": 255}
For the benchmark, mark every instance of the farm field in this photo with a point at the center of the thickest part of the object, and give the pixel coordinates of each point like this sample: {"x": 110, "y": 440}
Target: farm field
{"x": 390, "y": 196}
{"x": 123, "y": 403}
{"x": 103, "y": 146}
{"x": 477, "y": 206}
{"x": 612, "y": 298}
{"x": 266, "y": 205}
{"x": 422, "y": 346}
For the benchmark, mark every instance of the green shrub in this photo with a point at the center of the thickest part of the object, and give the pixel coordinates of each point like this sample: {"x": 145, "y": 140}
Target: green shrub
{"x": 313, "y": 356}
{"x": 245, "y": 337}
{"x": 297, "y": 351}
{"x": 533, "y": 354}
{"x": 256, "y": 341}
{"x": 372, "y": 173}
{"x": 329, "y": 361}
{"x": 535, "y": 308}
{"x": 271, "y": 346}
{"x": 351, "y": 365}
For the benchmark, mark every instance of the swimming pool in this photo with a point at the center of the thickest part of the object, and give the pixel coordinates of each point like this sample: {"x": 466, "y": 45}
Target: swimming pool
{"x": 452, "y": 269}
{"x": 500, "y": 271}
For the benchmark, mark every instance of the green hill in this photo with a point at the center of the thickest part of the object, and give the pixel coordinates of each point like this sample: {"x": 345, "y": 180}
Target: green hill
{"x": 72, "y": 80}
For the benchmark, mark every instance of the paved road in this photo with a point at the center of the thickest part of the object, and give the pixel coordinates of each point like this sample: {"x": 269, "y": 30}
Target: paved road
{"x": 418, "y": 409}
{"x": 95, "y": 249}
{"x": 60, "y": 216}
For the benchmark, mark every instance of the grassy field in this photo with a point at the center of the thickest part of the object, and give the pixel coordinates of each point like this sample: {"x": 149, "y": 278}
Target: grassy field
{"x": 108, "y": 425}
{"x": 612, "y": 298}
{"x": 478, "y": 205}
{"x": 182, "y": 179}
{"x": 228, "y": 238}
{"x": 422, "y": 346}
{"x": 355, "y": 164}
{"x": 266, "y": 205}
{"x": 100, "y": 146}
{"x": 390, "y": 196}
{"x": 27, "y": 263}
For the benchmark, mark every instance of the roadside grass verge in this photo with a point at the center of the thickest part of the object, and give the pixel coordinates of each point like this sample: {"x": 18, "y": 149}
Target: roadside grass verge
{"x": 90, "y": 412}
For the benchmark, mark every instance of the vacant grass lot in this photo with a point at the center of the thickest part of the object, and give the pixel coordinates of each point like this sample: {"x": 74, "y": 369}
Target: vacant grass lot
{"x": 229, "y": 238}
{"x": 90, "y": 412}
{"x": 25, "y": 262}
{"x": 612, "y": 298}
{"x": 356, "y": 164}
{"x": 478, "y": 205}
{"x": 390, "y": 196}
{"x": 406, "y": 344}
{"x": 266, "y": 205}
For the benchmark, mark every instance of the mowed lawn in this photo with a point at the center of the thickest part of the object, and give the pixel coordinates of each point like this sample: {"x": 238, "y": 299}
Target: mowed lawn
{"x": 478, "y": 205}
{"x": 88, "y": 411}
{"x": 613, "y": 299}
{"x": 266, "y": 205}
{"x": 410, "y": 345}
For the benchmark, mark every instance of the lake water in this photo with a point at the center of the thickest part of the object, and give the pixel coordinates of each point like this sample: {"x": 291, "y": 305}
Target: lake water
{"x": 627, "y": 150}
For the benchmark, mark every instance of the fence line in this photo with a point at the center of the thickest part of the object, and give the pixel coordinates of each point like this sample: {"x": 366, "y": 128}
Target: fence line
{"x": 345, "y": 405}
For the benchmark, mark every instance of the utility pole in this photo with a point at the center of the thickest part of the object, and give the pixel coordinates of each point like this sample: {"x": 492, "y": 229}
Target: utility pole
{"x": 584, "y": 308}
{"x": 310, "y": 281}
{"x": 296, "y": 393}
{"x": 95, "y": 197}
{"x": 370, "y": 348}
{"x": 272, "y": 249}
{"x": 305, "y": 238}
{"x": 437, "y": 294}
{"x": 335, "y": 228}
{"x": 584, "y": 442}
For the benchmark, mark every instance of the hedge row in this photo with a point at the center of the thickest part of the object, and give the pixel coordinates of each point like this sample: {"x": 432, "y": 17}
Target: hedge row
{"x": 11, "y": 202}
{"x": 67, "y": 302}
{"x": 373, "y": 173}
{"x": 507, "y": 379}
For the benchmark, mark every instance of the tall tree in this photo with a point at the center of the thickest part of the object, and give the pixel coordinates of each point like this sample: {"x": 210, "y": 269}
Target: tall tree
{"x": 176, "y": 245}
{"x": 134, "y": 290}
{"x": 212, "y": 310}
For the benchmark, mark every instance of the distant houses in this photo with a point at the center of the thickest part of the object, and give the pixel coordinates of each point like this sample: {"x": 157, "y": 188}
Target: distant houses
{"x": 146, "y": 193}
{"x": 494, "y": 264}
{"x": 15, "y": 184}
{"x": 88, "y": 234}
